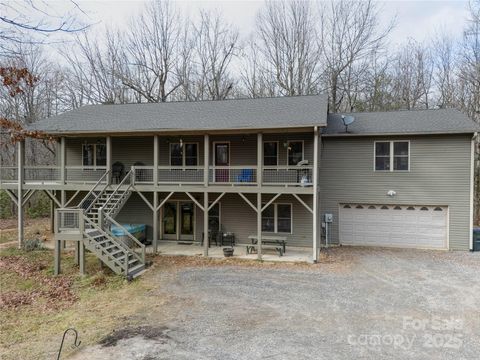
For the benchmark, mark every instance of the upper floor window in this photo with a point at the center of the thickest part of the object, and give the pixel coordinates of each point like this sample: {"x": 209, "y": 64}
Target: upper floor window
{"x": 185, "y": 154}
{"x": 94, "y": 154}
{"x": 295, "y": 152}
{"x": 270, "y": 153}
{"x": 392, "y": 155}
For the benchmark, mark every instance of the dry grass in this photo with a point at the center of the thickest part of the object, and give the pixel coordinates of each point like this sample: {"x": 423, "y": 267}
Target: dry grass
{"x": 33, "y": 330}
{"x": 34, "y": 229}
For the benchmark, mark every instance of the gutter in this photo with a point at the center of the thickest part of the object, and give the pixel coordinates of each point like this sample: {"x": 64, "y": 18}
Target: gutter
{"x": 472, "y": 185}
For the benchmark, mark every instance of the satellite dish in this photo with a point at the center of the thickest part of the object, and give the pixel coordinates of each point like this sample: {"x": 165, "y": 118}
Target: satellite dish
{"x": 347, "y": 120}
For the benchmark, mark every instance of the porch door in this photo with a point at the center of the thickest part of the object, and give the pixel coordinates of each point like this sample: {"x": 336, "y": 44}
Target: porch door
{"x": 178, "y": 220}
{"x": 222, "y": 158}
{"x": 170, "y": 221}
{"x": 187, "y": 221}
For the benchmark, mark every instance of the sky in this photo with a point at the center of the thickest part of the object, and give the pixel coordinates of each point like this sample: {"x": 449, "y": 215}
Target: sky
{"x": 414, "y": 19}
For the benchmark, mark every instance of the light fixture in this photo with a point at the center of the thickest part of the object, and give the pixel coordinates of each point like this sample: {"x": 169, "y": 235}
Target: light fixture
{"x": 391, "y": 193}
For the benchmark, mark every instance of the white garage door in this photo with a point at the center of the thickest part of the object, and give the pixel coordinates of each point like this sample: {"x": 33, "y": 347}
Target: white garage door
{"x": 394, "y": 225}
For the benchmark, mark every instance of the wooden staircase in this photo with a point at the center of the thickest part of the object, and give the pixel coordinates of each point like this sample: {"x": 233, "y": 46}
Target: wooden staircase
{"x": 93, "y": 217}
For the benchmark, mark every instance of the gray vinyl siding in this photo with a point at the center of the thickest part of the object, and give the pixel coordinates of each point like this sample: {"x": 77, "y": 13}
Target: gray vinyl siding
{"x": 136, "y": 211}
{"x": 243, "y": 148}
{"x": 132, "y": 150}
{"x": 164, "y": 147}
{"x": 73, "y": 149}
{"x": 439, "y": 175}
{"x": 232, "y": 208}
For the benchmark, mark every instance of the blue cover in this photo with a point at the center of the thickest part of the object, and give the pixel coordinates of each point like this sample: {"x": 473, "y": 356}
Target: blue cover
{"x": 132, "y": 229}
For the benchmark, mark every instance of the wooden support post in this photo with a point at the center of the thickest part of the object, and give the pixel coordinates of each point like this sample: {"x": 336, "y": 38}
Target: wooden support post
{"x": 57, "y": 267}
{"x": 206, "y": 161}
{"x": 20, "y": 170}
{"x": 259, "y": 225}
{"x": 109, "y": 159}
{"x": 52, "y": 215}
{"x": 315, "y": 232}
{"x": 63, "y": 200}
{"x": 155, "y": 222}
{"x": 259, "y": 159}
{"x": 82, "y": 257}
{"x": 155, "y": 160}
{"x": 62, "y": 161}
{"x": 205, "y": 224}
{"x": 77, "y": 252}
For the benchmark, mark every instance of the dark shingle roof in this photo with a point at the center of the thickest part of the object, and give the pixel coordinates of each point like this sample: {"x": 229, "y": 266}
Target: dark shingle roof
{"x": 441, "y": 121}
{"x": 275, "y": 112}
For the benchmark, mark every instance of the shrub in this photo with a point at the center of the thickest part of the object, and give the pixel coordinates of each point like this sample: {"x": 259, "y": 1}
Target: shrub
{"x": 32, "y": 244}
{"x": 38, "y": 205}
{"x": 5, "y": 205}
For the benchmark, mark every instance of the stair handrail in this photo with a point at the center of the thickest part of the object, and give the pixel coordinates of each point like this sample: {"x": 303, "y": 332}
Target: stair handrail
{"x": 92, "y": 190}
{"x": 126, "y": 249}
{"x": 118, "y": 188}
{"x": 133, "y": 238}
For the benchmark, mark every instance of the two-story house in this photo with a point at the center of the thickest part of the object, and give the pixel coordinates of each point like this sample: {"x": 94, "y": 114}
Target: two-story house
{"x": 269, "y": 171}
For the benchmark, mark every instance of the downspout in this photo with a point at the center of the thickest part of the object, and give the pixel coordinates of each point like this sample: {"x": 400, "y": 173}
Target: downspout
{"x": 472, "y": 186}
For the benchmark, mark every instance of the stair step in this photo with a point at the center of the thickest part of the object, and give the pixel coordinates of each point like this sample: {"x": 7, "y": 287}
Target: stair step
{"x": 136, "y": 271}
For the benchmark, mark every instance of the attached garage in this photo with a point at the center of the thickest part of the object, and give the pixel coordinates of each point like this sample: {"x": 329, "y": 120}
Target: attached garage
{"x": 403, "y": 226}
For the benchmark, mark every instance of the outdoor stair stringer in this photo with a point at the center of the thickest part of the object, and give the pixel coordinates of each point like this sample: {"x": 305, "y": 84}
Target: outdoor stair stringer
{"x": 112, "y": 252}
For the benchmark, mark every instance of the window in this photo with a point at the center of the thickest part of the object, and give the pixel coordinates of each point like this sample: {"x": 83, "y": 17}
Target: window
{"x": 295, "y": 152}
{"x": 191, "y": 155}
{"x": 277, "y": 218}
{"x": 392, "y": 155}
{"x": 268, "y": 219}
{"x": 185, "y": 154}
{"x": 400, "y": 155}
{"x": 284, "y": 218}
{"x": 270, "y": 153}
{"x": 94, "y": 155}
{"x": 214, "y": 217}
{"x": 382, "y": 156}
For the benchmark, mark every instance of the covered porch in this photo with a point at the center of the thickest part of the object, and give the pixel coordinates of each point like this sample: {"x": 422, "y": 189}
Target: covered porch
{"x": 292, "y": 254}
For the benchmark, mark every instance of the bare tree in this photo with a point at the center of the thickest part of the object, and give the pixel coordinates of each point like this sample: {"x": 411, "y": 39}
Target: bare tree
{"x": 287, "y": 44}
{"x": 350, "y": 32}
{"x": 94, "y": 67}
{"x": 34, "y": 22}
{"x": 215, "y": 48}
{"x": 153, "y": 50}
{"x": 445, "y": 67}
{"x": 412, "y": 71}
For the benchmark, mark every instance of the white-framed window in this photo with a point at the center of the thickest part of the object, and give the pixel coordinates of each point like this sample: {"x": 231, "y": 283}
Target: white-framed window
{"x": 183, "y": 154}
{"x": 277, "y": 218}
{"x": 94, "y": 155}
{"x": 392, "y": 155}
{"x": 270, "y": 153}
{"x": 295, "y": 152}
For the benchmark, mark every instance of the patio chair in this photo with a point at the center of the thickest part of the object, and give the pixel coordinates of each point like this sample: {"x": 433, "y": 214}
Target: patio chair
{"x": 246, "y": 175}
{"x": 118, "y": 170}
{"x": 139, "y": 173}
{"x": 213, "y": 236}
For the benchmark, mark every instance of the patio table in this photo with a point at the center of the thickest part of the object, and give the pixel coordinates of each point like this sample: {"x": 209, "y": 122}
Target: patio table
{"x": 277, "y": 242}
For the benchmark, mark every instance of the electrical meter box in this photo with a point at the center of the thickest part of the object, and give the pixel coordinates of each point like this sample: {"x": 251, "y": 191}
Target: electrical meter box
{"x": 328, "y": 218}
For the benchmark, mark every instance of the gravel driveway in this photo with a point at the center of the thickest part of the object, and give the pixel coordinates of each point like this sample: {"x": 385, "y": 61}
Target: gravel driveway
{"x": 357, "y": 304}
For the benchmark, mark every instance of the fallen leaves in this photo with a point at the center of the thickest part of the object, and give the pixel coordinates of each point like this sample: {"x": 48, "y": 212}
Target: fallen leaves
{"x": 54, "y": 292}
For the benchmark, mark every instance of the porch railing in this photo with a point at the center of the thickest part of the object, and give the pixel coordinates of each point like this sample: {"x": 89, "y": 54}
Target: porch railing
{"x": 288, "y": 175}
{"x": 142, "y": 174}
{"x": 69, "y": 220}
{"x": 8, "y": 174}
{"x": 42, "y": 173}
{"x": 217, "y": 175}
{"x": 179, "y": 174}
{"x": 85, "y": 174}
{"x": 233, "y": 175}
